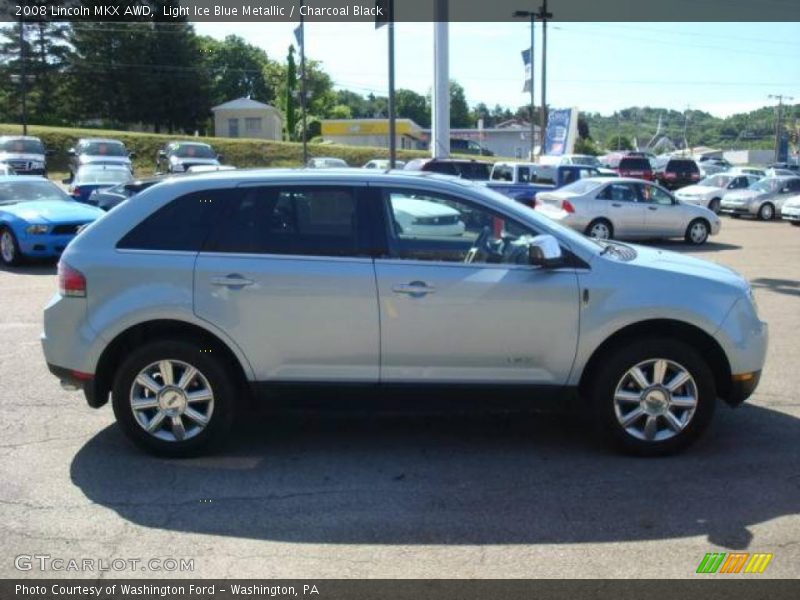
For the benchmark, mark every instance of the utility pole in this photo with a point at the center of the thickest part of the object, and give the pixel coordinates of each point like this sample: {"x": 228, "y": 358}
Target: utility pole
{"x": 686, "y": 129}
{"x": 303, "y": 99}
{"x": 440, "y": 126}
{"x": 779, "y": 121}
{"x": 543, "y": 16}
{"x": 23, "y": 77}
{"x": 392, "y": 119}
{"x": 532, "y": 16}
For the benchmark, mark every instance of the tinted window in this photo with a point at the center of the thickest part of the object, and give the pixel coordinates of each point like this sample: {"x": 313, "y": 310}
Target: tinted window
{"x": 183, "y": 224}
{"x": 102, "y": 149}
{"x": 682, "y": 166}
{"x": 22, "y": 146}
{"x": 634, "y": 164}
{"x": 503, "y": 173}
{"x": 524, "y": 174}
{"x": 619, "y": 192}
{"x": 313, "y": 221}
{"x": 193, "y": 151}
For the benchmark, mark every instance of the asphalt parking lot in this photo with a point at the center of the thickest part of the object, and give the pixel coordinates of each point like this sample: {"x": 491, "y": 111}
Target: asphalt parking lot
{"x": 410, "y": 496}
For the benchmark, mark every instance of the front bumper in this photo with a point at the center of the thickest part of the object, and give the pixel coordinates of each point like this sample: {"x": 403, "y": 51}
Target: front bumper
{"x": 743, "y": 209}
{"x": 44, "y": 246}
{"x": 742, "y": 387}
{"x": 791, "y": 214}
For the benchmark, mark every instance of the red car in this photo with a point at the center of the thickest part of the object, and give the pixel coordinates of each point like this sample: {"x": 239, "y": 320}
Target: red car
{"x": 633, "y": 166}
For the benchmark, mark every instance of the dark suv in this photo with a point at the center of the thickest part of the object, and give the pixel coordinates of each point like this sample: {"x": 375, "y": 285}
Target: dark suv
{"x": 638, "y": 167}
{"x": 467, "y": 169}
{"x": 677, "y": 173}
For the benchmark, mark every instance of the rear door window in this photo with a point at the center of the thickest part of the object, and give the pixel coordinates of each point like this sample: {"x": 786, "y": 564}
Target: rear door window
{"x": 292, "y": 220}
{"x": 634, "y": 164}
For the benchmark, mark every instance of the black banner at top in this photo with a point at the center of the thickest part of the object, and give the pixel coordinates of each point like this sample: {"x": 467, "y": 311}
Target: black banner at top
{"x": 405, "y": 10}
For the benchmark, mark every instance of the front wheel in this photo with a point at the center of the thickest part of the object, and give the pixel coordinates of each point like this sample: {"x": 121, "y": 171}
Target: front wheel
{"x": 653, "y": 397}
{"x": 766, "y": 212}
{"x": 697, "y": 233}
{"x": 174, "y": 398}
{"x": 9, "y": 248}
{"x": 795, "y": 223}
{"x": 713, "y": 206}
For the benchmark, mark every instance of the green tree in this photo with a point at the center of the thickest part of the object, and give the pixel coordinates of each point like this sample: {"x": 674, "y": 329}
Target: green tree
{"x": 340, "y": 111}
{"x": 236, "y": 70}
{"x": 459, "y": 110}
{"x": 410, "y": 105}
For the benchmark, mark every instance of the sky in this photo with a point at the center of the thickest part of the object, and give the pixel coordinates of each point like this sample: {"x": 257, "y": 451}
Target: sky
{"x": 720, "y": 68}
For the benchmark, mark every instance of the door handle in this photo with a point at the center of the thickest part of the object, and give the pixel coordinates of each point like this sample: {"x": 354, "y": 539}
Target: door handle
{"x": 416, "y": 289}
{"x": 652, "y": 208}
{"x": 231, "y": 281}
{"x": 616, "y": 204}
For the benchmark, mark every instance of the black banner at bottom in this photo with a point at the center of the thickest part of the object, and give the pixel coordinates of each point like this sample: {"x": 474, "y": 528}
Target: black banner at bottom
{"x": 704, "y": 587}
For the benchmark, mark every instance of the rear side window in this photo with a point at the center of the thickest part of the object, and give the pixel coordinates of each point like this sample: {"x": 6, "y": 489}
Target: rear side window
{"x": 502, "y": 173}
{"x": 183, "y": 224}
{"x": 474, "y": 171}
{"x": 309, "y": 221}
{"x": 635, "y": 164}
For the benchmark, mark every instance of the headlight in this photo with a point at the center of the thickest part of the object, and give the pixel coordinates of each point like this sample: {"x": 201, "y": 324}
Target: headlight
{"x": 36, "y": 229}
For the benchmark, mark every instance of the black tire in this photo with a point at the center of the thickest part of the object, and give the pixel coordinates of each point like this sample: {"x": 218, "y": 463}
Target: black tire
{"x": 795, "y": 223}
{"x": 610, "y": 374}
{"x": 735, "y": 216}
{"x": 766, "y": 212}
{"x": 713, "y": 206}
{"x": 220, "y": 377}
{"x": 692, "y": 235}
{"x": 604, "y": 222}
{"x": 16, "y": 256}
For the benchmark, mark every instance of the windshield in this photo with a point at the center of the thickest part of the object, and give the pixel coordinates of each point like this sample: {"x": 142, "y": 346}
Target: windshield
{"x": 102, "y": 149}
{"x": 194, "y": 151}
{"x": 766, "y": 185}
{"x": 13, "y": 192}
{"x": 581, "y": 186}
{"x": 20, "y": 146}
{"x": 590, "y": 161}
{"x": 719, "y": 181}
{"x": 90, "y": 176}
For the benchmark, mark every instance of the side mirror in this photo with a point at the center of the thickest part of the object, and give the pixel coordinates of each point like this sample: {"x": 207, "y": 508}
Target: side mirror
{"x": 71, "y": 151}
{"x": 219, "y": 158}
{"x": 544, "y": 251}
{"x": 162, "y": 154}
{"x": 131, "y": 154}
{"x": 66, "y": 181}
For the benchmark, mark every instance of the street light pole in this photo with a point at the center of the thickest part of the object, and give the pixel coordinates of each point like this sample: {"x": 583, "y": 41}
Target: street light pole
{"x": 778, "y": 122}
{"x": 543, "y": 16}
{"x": 392, "y": 116}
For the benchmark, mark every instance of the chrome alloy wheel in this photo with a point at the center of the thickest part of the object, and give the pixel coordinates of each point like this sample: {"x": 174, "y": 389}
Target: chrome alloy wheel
{"x": 171, "y": 400}
{"x": 7, "y": 249}
{"x": 655, "y": 400}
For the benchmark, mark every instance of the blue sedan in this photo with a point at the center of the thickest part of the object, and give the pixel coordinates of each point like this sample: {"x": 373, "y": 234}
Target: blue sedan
{"x": 97, "y": 177}
{"x": 37, "y": 218}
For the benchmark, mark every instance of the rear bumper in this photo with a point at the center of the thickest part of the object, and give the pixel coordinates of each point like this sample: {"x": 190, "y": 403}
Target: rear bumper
{"x": 73, "y": 381}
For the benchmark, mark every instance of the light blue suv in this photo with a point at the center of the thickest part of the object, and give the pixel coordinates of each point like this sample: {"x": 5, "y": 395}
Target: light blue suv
{"x": 202, "y": 294}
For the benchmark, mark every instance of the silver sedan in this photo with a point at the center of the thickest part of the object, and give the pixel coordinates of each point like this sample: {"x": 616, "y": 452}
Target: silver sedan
{"x": 626, "y": 208}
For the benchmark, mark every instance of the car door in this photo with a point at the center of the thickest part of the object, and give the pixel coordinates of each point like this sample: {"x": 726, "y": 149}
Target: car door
{"x": 664, "y": 217}
{"x": 446, "y": 319}
{"x": 288, "y": 275}
{"x": 623, "y": 209}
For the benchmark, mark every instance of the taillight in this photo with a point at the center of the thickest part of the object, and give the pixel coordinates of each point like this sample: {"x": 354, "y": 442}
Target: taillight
{"x": 567, "y": 206}
{"x": 669, "y": 175}
{"x": 71, "y": 282}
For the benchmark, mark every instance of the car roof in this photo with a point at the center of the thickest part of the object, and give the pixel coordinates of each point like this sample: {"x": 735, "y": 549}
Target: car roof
{"x": 173, "y": 142}
{"x": 12, "y": 178}
{"x": 102, "y": 140}
{"x": 103, "y": 167}
{"x": 19, "y": 137}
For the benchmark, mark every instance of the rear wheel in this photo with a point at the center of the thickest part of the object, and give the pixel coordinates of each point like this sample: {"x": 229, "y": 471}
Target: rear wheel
{"x": 766, "y": 212}
{"x": 9, "y": 248}
{"x": 697, "y": 232}
{"x": 600, "y": 229}
{"x": 713, "y": 206}
{"x": 174, "y": 398}
{"x": 654, "y": 396}
{"x": 795, "y": 223}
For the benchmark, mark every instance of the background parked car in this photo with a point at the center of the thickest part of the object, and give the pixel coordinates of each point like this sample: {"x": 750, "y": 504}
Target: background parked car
{"x": 108, "y": 198}
{"x": 626, "y": 208}
{"x": 416, "y": 216}
{"x": 676, "y": 173}
{"x": 461, "y": 146}
{"x": 757, "y": 171}
{"x": 177, "y": 157}
{"x": 474, "y": 170}
{"x": 547, "y": 165}
{"x": 37, "y": 218}
{"x": 763, "y": 199}
{"x": 326, "y": 162}
{"x": 711, "y": 165}
{"x": 791, "y": 210}
{"x": 92, "y": 177}
{"x": 383, "y": 164}
{"x": 709, "y": 191}
{"x": 25, "y": 154}
{"x": 93, "y": 151}
{"x": 638, "y": 167}
{"x": 209, "y": 168}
